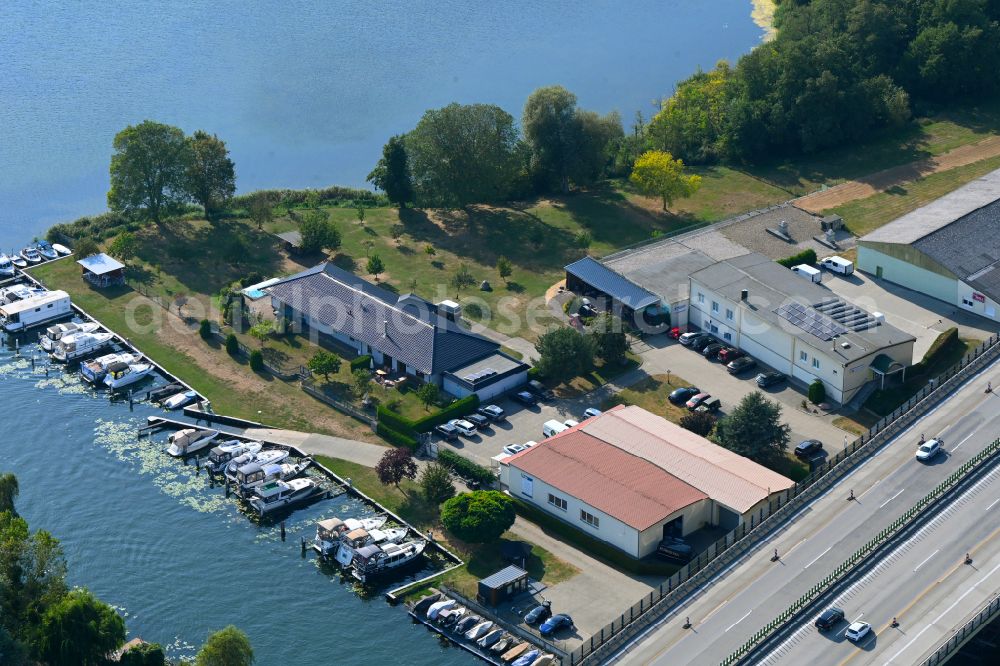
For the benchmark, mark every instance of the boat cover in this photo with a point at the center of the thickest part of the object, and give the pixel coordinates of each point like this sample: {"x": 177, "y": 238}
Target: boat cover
{"x": 117, "y": 367}
{"x": 354, "y": 535}
{"x": 368, "y": 551}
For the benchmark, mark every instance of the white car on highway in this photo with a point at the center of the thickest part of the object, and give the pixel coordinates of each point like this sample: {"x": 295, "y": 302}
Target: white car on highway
{"x": 857, "y": 631}
{"x": 929, "y": 449}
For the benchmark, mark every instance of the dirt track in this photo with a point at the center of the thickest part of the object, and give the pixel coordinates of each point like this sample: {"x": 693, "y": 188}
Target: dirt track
{"x": 884, "y": 180}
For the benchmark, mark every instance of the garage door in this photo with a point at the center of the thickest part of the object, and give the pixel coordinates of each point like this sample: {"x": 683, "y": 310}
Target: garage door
{"x": 765, "y": 355}
{"x": 728, "y": 520}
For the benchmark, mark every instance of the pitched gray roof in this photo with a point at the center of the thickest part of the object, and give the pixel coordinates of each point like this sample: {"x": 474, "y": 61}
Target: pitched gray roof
{"x": 416, "y": 336}
{"x": 611, "y": 283}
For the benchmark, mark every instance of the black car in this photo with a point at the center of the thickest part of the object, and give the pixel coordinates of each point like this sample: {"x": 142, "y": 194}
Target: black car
{"x": 674, "y": 550}
{"x": 492, "y": 412}
{"x": 539, "y": 389}
{"x": 712, "y": 350}
{"x": 447, "y": 431}
{"x": 808, "y": 448}
{"x": 525, "y": 398}
{"x": 478, "y": 420}
{"x": 683, "y": 394}
{"x": 766, "y": 379}
{"x": 830, "y": 618}
{"x": 711, "y": 406}
{"x": 538, "y": 614}
{"x": 742, "y": 364}
{"x": 702, "y": 341}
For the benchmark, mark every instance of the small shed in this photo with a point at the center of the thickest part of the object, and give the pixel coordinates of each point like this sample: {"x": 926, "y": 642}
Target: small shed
{"x": 503, "y": 585}
{"x": 101, "y": 270}
{"x": 292, "y": 241}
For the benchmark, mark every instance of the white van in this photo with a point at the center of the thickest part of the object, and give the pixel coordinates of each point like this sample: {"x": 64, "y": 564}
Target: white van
{"x": 553, "y": 427}
{"x": 808, "y": 272}
{"x": 837, "y": 265}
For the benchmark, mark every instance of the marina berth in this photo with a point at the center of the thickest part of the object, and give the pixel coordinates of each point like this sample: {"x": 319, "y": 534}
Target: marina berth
{"x": 253, "y": 475}
{"x": 78, "y": 345}
{"x": 189, "y": 441}
{"x": 282, "y": 494}
{"x": 34, "y": 311}
{"x": 31, "y": 255}
{"x": 54, "y": 334}
{"x": 95, "y": 370}
{"x": 178, "y": 400}
{"x": 355, "y": 539}
{"x": 261, "y": 458}
{"x": 7, "y": 268}
{"x": 46, "y": 249}
{"x": 120, "y": 375}
{"x": 371, "y": 561}
{"x": 18, "y": 260}
{"x": 61, "y": 249}
{"x": 19, "y": 292}
{"x": 220, "y": 455}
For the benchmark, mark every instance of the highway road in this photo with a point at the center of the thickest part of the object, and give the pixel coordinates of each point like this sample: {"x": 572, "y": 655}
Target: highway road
{"x": 726, "y": 614}
{"x": 923, "y": 582}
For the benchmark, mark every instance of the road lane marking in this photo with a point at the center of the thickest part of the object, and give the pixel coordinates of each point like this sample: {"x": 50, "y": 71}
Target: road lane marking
{"x": 713, "y": 612}
{"x": 892, "y": 498}
{"x": 817, "y": 557}
{"x": 955, "y": 448}
{"x": 927, "y": 560}
{"x": 992, "y": 505}
{"x": 739, "y": 620}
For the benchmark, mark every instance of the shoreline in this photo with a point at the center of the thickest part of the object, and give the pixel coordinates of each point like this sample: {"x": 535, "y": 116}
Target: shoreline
{"x": 762, "y": 14}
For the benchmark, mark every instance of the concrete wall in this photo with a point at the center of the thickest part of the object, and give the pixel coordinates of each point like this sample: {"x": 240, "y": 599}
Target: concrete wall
{"x": 485, "y": 393}
{"x": 696, "y": 516}
{"x": 908, "y": 274}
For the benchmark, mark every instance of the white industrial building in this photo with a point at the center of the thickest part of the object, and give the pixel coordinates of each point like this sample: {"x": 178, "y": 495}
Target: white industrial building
{"x": 949, "y": 249}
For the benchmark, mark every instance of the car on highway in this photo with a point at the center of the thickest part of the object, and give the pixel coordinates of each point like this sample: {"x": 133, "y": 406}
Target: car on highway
{"x": 539, "y": 613}
{"x": 730, "y": 354}
{"x": 492, "y": 412}
{"x": 681, "y": 395}
{"x": 712, "y": 350}
{"x": 742, "y": 364}
{"x": 829, "y": 618}
{"x": 591, "y": 412}
{"x": 771, "y": 378}
{"x": 478, "y": 420}
{"x": 540, "y": 390}
{"x": 687, "y": 338}
{"x": 929, "y": 449}
{"x": 447, "y": 431}
{"x": 808, "y": 448}
{"x": 463, "y": 426}
{"x": 525, "y": 398}
{"x": 697, "y": 400}
{"x": 857, "y": 631}
{"x": 511, "y": 449}
{"x": 555, "y": 623}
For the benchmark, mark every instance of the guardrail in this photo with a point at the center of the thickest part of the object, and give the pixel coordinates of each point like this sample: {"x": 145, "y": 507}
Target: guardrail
{"x": 968, "y": 630}
{"x": 744, "y": 538}
{"x": 917, "y": 512}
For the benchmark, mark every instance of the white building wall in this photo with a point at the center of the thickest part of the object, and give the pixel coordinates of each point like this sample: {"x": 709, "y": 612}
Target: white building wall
{"x": 906, "y": 274}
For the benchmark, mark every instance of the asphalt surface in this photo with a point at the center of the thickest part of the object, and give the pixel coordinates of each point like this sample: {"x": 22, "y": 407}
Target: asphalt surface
{"x": 726, "y": 614}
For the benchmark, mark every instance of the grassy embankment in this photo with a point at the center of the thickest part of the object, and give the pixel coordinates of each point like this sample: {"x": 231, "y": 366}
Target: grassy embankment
{"x": 480, "y": 559}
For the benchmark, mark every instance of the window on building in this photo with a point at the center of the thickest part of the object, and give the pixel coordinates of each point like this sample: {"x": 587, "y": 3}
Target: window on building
{"x": 558, "y": 502}
{"x": 715, "y": 306}
{"x": 815, "y": 362}
{"x": 701, "y": 297}
{"x": 967, "y": 302}
{"x": 590, "y": 519}
{"x": 803, "y": 356}
{"x": 729, "y": 314}
{"x": 728, "y": 337}
{"x": 527, "y": 485}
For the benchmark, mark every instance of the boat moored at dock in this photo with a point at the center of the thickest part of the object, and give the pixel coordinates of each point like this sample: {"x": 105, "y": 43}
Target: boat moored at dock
{"x": 34, "y": 311}
{"x": 120, "y": 375}
{"x": 189, "y": 441}
{"x": 355, "y": 539}
{"x": 95, "y": 370}
{"x": 278, "y": 495}
{"x": 78, "y": 345}
{"x": 7, "y": 268}
{"x": 372, "y": 561}
{"x": 222, "y": 454}
{"x": 254, "y": 474}
{"x": 31, "y": 255}
{"x": 53, "y": 334}
{"x": 178, "y": 400}
{"x": 262, "y": 458}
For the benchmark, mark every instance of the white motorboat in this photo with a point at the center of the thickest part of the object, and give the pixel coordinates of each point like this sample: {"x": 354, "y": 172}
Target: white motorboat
{"x": 178, "y": 400}
{"x": 450, "y": 616}
{"x": 220, "y": 455}
{"x": 35, "y": 311}
{"x": 253, "y": 475}
{"x": 7, "y": 268}
{"x": 94, "y": 370}
{"x": 329, "y": 531}
{"x": 31, "y": 255}
{"x": 120, "y": 375}
{"x": 17, "y": 260}
{"x": 479, "y": 630}
{"x": 372, "y": 560}
{"x": 435, "y": 610}
{"x": 490, "y": 638}
{"x": 54, "y": 334}
{"x": 19, "y": 292}
{"x": 190, "y": 440}
{"x": 46, "y": 250}
{"x": 355, "y": 539}
{"x": 282, "y": 494}
{"x": 61, "y": 249}
{"x": 77, "y": 345}
{"x": 262, "y": 458}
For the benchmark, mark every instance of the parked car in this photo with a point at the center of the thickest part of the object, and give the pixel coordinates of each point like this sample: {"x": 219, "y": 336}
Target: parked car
{"x": 857, "y": 631}
{"x": 539, "y": 389}
{"x": 674, "y": 333}
{"x": 591, "y": 412}
{"x": 553, "y": 427}
{"x": 808, "y": 449}
{"x": 539, "y": 613}
{"x": 555, "y": 623}
{"x": 697, "y": 400}
{"x": 569, "y": 423}
{"x": 730, "y": 354}
{"x": 463, "y": 426}
{"x": 711, "y": 351}
{"x": 681, "y": 395}
{"x": 742, "y": 364}
{"x": 929, "y": 449}
{"x": 492, "y": 412}
{"x": 829, "y": 618}
{"x": 511, "y": 449}
{"x": 687, "y": 338}
{"x": 710, "y": 406}
{"x": 526, "y": 398}
{"x": 447, "y": 431}
{"x": 771, "y": 378}
{"x": 530, "y": 444}
{"x": 704, "y": 340}
{"x": 837, "y": 265}
{"x": 675, "y": 550}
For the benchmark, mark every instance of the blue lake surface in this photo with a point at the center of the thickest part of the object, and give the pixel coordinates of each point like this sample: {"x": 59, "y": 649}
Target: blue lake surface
{"x": 305, "y": 94}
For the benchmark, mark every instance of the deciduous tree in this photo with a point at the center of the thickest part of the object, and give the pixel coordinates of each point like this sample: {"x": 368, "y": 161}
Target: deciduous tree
{"x": 392, "y": 173}
{"x": 211, "y": 175}
{"x": 260, "y": 209}
{"x": 124, "y": 246}
{"x": 754, "y": 429}
{"x": 375, "y": 266}
{"x": 504, "y": 268}
{"x": 318, "y": 232}
{"x": 9, "y": 490}
{"x": 480, "y": 516}
{"x": 565, "y": 353}
{"x": 79, "y": 630}
{"x": 700, "y": 423}
{"x": 261, "y": 331}
{"x": 226, "y": 647}
{"x": 147, "y": 654}
{"x": 32, "y": 576}
{"x": 149, "y": 170}
{"x": 324, "y": 363}
{"x": 429, "y": 394}
{"x": 462, "y": 278}
{"x": 86, "y": 247}
{"x": 551, "y": 130}
{"x": 395, "y": 465}
{"x": 610, "y": 341}
{"x": 435, "y": 483}
{"x": 657, "y": 173}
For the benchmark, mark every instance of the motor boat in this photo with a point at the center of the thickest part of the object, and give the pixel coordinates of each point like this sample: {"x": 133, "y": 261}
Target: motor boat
{"x": 372, "y": 560}
{"x": 514, "y": 652}
{"x": 53, "y": 334}
{"x": 253, "y": 475}
{"x": 490, "y": 638}
{"x": 46, "y": 250}
{"x": 31, "y": 255}
{"x": 503, "y": 644}
{"x": 545, "y": 660}
{"x": 329, "y": 531}
{"x": 77, "y": 345}
{"x": 19, "y": 292}
{"x": 220, "y": 455}
{"x": 355, "y": 539}
{"x": 95, "y": 370}
{"x": 262, "y": 458}
{"x": 178, "y": 400}
{"x": 7, "y": 268}
{"x": 189, "y": 440}
{"x": 423, "y": 604}
{"x": 436, "y": 608}
{"x": 61, "y": 249}
{"x": 527, "y": 659}
{"x": 282, "y": 494}
{"x": 479, "y": 630}
{"x": 159, "y": 394}
{"x": 120, "y": 375}
{"x": 449, "y": 618}
{"x": 466, "y": 623}
{"x": 17, "y": 260}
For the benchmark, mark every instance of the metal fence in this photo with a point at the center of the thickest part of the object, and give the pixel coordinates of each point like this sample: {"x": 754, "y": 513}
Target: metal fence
{"x": 747, "y": 536}
{"x": 968, "y": 630}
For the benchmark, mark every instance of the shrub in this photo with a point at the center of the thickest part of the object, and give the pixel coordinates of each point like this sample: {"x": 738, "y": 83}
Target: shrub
{"x": 435, "y": 483}
{"x": 938, "y": 349}
{"x": 465, "y": 468}
{"x": 817, "y": 392}
{"x": 361, "y": 363}
{"x": 395, "y": 437}
{"x": 807, "y": 257}
{"x": 478, "y": 517}
{"x": 534, "y": 372}
{"x": 232, "y": 344}
{"x": 205, "y": 329}
{"x": 256, "y": 360}
{"x": 700, "y": 423}
{"x": 457, "y": 409}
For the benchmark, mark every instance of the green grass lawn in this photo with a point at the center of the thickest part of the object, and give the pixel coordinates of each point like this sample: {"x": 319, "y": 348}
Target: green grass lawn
{"x": 886, "y": 401}
{"x": 480, "y": 559}
{"x": 601, "y": 374}
{"x": 652, "y": 395}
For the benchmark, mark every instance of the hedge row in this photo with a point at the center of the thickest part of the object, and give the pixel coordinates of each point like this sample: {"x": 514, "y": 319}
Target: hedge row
{"x": 361, "y": 363}
{"x": 464, "y": 467}
{"x": 457, "y": 409}
{"x": 940, "y": 346}
{"x": 807, "y": 257}
{"x": 328, "y": 195}
{"x": 394, "y": 421}
{"x": 395, "y": 437}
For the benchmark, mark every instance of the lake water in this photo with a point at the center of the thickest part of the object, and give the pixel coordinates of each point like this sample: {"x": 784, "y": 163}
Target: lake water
{"x": 305, "y": 96}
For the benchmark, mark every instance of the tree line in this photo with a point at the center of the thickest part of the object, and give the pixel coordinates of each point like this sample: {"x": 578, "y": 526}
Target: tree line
{"x": 43, "y": 621}
{"x": 838, "y": 71}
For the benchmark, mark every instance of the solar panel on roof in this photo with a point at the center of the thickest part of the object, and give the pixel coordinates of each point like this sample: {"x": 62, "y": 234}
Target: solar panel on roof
{"x": 810, "y": 320}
